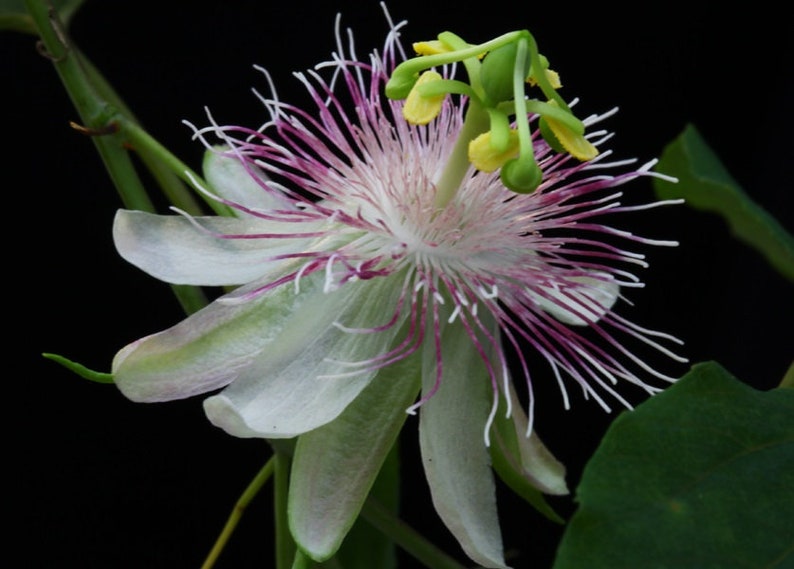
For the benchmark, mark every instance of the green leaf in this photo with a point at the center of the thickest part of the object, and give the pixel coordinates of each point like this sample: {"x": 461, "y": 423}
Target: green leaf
{"x": 705, "y": 184}
{"x": 80, "y": 369}
{"x": 699, "y": 476}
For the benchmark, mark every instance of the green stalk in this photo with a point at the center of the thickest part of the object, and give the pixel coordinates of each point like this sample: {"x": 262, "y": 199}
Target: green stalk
{"x": 286, "y": 551}
{"x": 237, "y": 512}
{"x": 101, "y": 118}
{"x": 143, "y": 141}
{"x": 407, "y": 537}
{"x": 461, "y": 52}
{"x": 527, "y": 151}
{"x": 154, "y": 158}
{"x": 95, "y": 113}
{"x": 475, "y": 123}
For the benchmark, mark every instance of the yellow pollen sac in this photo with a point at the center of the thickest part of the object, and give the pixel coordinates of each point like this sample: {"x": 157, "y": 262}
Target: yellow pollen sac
{"x": 433, "y": 47}
{"x": 576, "y": 144}
{"x": 551, "y": 76}
{"x": 420, "y": 109}
{"x": 486, "y": 158}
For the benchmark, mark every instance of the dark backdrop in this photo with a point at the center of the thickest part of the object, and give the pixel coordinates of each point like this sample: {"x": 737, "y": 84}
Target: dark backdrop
{"x": 101, "y": 482}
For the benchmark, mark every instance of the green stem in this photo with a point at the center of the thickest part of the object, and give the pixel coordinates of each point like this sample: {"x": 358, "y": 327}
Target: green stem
{"x": 94, "y": 112}
{"x": 98, "y": 107}
{"x": 527, "y": 151}
{"x": 285, "y": 545}
{"x": 415, "y": 65}
{"x": 155, "y": 158}
{"x": 472, "y": 63}
{"x": 475, "y": 123}
{"x": 148, "y": 145}
{"x": 540, "y": 75}
{"x": 301, "y": 561}
{"x": 237, "y": 512}
{"x": 551, "y": 111}
{"x": 406, "y": 537}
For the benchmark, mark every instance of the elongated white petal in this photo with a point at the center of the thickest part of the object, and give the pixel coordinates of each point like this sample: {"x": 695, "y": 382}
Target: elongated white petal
{"x": 304, "y": 379}
{"x": 580, "y": 305}
{"x": 207, "y": 350}
{"x": 456, "y": 461}
{"x": 335, "y": 465}
{"x": 173, "y": 249}
{"x": 239, "y": 183}
{"x": 539, "y": 465}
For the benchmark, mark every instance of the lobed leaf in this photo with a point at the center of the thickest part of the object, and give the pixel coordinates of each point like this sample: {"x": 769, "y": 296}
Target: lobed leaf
{"x": 700, "y": 476}
{"x": 705, "y": 184}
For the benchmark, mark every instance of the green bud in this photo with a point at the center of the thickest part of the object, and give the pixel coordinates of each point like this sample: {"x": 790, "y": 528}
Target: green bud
{"x": 521, "y": 175}
{"x": 496, "y": 73}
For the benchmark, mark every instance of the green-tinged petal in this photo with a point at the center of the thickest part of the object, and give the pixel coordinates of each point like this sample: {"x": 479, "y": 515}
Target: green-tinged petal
{"x": 523, "y": 462}
{"x": 246, "y": 185}
{"x": 335, "y": 465}
{"x": 315, "y": 369}
{"x": 539, "y": 465}
{"x": 211, "y": 347}
{"x": 583, "y": 303}
{"x": 451, "y": 434}
{"x": 173, "y": 249}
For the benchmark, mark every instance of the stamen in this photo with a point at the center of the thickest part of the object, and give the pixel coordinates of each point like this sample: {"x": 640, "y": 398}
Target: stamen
{"x": 330, "y": 285}
{"x": 566, "y": 402}
{"x": 489, "y": 421}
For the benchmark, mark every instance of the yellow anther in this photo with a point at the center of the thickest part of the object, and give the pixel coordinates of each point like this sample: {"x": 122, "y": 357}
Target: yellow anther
{"x": 432, "y": 47}
{"x": 576, "y": 144}
{"x": 421, "y": 109}
{"x": 551, "y": 76}
{"x": 487, "y": 159}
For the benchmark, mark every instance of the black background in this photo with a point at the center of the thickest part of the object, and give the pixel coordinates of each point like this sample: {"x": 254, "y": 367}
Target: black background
{"x": 98, "y": 481}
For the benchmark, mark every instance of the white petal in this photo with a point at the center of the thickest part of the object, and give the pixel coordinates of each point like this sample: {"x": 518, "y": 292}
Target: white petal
{"x": 207, "y": 350}
{"x": 303, "y": 380}
{"x": 171, "y": 248}
{"x": 246, "y": 185}
{"x": 456, "y": 460}
{"x": 580, "y": 304}
{"x": 335, "y": 465}
{"x": 539, "y": 465}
